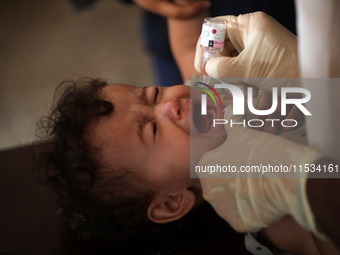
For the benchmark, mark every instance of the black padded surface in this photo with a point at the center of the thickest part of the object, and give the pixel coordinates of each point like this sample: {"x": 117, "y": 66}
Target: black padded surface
{"x": 29, "y": 223}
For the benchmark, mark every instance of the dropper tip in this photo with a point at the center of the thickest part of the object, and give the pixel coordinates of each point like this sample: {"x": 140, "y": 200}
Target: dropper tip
{"x": 206, "y": 79}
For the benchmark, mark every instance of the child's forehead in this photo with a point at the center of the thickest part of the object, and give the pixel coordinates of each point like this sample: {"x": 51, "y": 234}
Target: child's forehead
{"x": 120, "y": 88}
{"x": 121, "y": 91}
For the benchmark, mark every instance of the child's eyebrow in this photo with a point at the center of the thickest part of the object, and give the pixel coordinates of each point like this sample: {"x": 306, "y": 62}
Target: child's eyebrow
{"x": 139, "y": 132}
{"x": 140, "y": 135}
{"x": 143, "y": 95}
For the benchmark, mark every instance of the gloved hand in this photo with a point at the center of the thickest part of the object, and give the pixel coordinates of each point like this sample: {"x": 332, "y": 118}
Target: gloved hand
{"x": 256, "y": 47}
{"x": 252, "y": 201}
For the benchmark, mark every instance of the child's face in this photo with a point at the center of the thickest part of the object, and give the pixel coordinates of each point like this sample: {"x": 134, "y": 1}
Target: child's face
{"x": 148, "y": 133}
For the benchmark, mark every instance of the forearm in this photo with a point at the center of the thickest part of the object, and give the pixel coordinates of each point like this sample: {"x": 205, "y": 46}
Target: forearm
{"x": 183, "y": 35}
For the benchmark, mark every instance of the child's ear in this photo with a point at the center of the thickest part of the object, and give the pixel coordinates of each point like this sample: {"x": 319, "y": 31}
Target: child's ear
{"x": 164, "y": 209}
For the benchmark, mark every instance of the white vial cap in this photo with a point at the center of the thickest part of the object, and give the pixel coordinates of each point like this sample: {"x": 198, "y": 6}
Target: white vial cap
{"x": 208, "y": 55}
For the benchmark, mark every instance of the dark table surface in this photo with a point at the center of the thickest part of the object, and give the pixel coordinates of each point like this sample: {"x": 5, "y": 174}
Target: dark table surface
{"x": 29, "y": 223}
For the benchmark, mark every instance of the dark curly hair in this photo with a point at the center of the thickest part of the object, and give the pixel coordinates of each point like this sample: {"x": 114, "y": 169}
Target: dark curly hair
{"x": 70, "y": 167}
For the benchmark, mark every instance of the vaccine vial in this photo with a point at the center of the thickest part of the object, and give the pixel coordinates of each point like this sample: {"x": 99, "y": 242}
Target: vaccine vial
{"x": 212, "y": 38}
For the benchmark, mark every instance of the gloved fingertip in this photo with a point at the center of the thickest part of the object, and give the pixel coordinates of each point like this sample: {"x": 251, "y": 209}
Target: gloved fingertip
{"x": 224, "y": 67}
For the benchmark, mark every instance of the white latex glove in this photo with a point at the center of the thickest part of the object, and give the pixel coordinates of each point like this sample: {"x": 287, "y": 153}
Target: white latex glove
{"x": 256, "y": 47}
{"x": 248, "y": 201}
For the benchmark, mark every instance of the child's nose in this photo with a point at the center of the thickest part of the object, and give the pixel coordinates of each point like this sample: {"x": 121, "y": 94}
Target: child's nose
{"x": 170, "y": 108}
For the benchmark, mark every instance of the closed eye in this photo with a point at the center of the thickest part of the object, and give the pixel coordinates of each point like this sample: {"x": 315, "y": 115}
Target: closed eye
{"x": 156, "y": 94}
{"x": 154, "y": 129}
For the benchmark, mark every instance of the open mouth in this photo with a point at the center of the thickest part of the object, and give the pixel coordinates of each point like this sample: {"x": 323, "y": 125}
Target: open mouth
{"x": 203, "y": 123}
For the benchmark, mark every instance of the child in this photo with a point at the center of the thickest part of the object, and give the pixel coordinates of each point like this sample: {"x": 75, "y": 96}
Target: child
{"x": 118, "y": 159}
